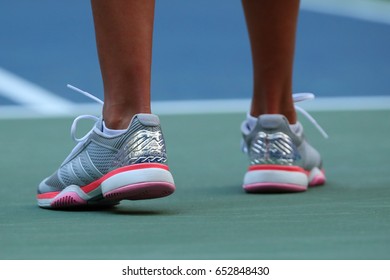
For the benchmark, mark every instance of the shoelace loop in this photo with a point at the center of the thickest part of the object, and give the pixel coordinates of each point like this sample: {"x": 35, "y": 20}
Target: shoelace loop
{"x": 298, "y": 97}
{"x": 73, "y": 128}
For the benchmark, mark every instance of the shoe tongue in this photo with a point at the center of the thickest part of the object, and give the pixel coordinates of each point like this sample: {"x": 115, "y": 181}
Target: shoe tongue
{"x": 250, "y": 122}
{"x": 99, "y": 124}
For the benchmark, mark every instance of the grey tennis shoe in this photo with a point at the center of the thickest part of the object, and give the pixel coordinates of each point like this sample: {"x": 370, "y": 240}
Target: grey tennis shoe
{"x": 280, "y": 160}
{"x": 103, "y": 170}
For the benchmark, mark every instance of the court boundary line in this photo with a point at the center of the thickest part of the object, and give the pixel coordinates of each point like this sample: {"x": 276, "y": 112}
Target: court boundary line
{"x": 214, "y": 106}
{"x": 30, "y": 95}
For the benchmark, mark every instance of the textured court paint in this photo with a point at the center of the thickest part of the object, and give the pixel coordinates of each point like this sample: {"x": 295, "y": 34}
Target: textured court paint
{"x": 209, "y": 216}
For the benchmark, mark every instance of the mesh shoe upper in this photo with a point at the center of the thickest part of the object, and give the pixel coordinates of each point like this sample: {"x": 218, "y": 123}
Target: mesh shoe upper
{"x": 98, "y": 154}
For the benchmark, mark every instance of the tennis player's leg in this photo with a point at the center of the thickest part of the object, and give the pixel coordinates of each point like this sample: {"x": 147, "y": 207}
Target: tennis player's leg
{"x": 124, "y": 155}
{"x": 124, "y": 31}
{"x": 280, "y": 157}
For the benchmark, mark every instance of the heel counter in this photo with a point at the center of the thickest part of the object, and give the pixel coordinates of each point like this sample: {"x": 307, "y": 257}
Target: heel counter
{"x": 145, "y": 144}
{"x": 273, "y": 148}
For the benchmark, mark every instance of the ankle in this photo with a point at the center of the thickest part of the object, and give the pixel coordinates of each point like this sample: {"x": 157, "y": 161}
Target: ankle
{"x": 119, "y": 117}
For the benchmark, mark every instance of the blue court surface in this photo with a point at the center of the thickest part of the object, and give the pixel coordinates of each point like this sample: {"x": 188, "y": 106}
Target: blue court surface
{"x": 201, "y": 64}
{"x": 199, "y": 53}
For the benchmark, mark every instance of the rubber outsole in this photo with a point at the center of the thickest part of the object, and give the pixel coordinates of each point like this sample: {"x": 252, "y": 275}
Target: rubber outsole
{"x": 142, "y": 181}
{"x": 141, "y": 191}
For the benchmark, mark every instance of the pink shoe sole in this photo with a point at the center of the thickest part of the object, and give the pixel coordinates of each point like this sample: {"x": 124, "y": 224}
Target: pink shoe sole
{"x": 68, "y": 199}
{"x": 273, "y": 188}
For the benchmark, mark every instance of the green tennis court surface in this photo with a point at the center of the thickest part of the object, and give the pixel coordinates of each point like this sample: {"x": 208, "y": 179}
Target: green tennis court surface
{"x": 209, "y": 217}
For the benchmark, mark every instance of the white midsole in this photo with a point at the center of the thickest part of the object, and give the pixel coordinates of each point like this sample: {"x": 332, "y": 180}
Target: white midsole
{"x": 136, "y": 176}
{"x": 276, "y": 176}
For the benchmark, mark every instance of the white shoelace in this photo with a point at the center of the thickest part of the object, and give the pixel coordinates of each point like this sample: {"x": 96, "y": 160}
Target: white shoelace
{"x": 298, "y": 97}
{"x": 73, "y": 128}
{"x": 90, "y": 117}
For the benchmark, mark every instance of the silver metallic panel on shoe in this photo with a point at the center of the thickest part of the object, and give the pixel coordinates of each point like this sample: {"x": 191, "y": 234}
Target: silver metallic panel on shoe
{"x": 143, "y": 146}
{"x": 273, "y": 148}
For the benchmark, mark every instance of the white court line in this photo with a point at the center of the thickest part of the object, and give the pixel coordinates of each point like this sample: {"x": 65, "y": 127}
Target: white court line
{"x": 321, "y": 104}
{"x": 31, "y": 96}
{"x": 373, "y": 10}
